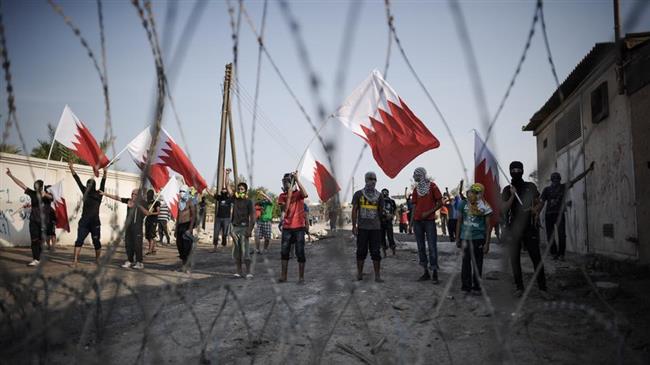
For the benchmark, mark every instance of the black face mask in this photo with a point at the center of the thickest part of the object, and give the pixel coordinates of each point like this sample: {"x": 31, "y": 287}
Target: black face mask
{"x": 517, "y": 176}
{"x": 90, "y": 185}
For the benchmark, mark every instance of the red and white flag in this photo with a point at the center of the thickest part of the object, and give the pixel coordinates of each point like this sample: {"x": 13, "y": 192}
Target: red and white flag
{"x": 138, "y": 147}
{"x": 377, "y": 114}
{"x": 170, "y": 154}
{"x": 59, "y": 206}
{"x": 73, "y": 133}
{"x": 169, "y": 194}
{"x": 316, "y": 173}
{"x": 486, "y": 172}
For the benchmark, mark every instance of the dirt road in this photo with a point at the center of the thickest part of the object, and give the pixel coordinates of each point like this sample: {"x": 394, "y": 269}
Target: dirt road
{"x": 159, "y": 315}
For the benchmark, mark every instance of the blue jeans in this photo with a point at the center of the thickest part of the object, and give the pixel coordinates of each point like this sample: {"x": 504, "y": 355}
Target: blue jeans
{"x": 428, "y": 258}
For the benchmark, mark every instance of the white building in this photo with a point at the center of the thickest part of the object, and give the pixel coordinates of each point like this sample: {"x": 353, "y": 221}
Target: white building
{"x": 608, "y": 212}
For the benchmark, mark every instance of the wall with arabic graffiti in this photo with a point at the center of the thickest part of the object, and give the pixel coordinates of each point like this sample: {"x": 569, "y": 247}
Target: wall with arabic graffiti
{"x": 15, "y": 206}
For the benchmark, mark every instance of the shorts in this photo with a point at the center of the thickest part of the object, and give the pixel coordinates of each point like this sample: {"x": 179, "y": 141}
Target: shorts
{"x": 50, "y": 230}
{"x": 297, "y": 238}
{"x": 263, "y": 230}
{"x": 92, "y": 227}
{"x": 150, "y": 226}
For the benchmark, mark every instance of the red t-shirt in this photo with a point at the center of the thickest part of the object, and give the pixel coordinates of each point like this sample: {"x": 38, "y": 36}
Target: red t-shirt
{"x": 294, "y": 214}
{"x": 426, "y": 202}
{"x": 258, "y": 211}
{"x": 404, "y": 219}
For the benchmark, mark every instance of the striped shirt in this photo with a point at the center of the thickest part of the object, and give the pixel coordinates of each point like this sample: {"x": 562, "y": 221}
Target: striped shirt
{"x": 163, "y": 216}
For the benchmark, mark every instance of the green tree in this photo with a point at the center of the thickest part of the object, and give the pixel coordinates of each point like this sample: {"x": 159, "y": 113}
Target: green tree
{"x": 59, "y": 152}
{"x": 10, "y": 148}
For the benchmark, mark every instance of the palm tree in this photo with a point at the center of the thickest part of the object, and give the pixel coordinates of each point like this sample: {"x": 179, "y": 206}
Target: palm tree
{"x": 59, "y": 152}
{"x": 10, "y": 148}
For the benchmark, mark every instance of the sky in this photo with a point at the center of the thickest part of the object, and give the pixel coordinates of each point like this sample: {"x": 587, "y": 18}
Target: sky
{"x": 50, "y": 69}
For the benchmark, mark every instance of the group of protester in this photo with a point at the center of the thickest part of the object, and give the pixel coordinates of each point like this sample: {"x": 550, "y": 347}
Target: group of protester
{"x": 466, "y": 217}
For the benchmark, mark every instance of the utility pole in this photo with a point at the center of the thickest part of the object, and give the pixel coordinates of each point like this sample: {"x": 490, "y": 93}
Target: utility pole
{"x": 225, "y": 115}
{"x": 233, "y": 151}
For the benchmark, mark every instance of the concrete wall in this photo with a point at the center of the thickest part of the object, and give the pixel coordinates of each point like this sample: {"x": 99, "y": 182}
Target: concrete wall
{"x": 610, "y": 190}
{"x": 640, "y": 112}
{"x": 14, "y": 205}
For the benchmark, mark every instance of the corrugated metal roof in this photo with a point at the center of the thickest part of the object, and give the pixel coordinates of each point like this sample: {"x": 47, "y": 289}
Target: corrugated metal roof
{"x": 570, "y": 84}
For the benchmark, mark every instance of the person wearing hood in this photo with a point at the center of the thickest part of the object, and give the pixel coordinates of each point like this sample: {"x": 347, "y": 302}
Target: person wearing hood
{"x": 223, "y": 202}
{"x": 89, "y": 222}
{"x": 387, "y": 236}
{"x": 185, "y": 219}
{"x": 243, "y": 221}
{"x": 136, "y": 213}
{"x": 38, "y": 217}
{"x": 367, "y": 214}
{"x": 552, "y": 197}
{"x": 520, "y": 209}
{"x": 151, "y": 221}
{"x": 427, "y": 199}
{"x": 292, "y": 205}
{"x": 473, "y": 237}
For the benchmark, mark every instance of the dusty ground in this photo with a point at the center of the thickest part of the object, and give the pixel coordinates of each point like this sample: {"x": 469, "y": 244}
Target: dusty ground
{"x": 162, "y": 316}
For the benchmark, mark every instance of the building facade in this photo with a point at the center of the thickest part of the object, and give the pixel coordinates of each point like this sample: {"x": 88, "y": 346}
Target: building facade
{"x": 588, "y": 120}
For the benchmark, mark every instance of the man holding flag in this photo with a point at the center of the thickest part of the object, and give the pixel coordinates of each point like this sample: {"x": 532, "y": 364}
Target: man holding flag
{"x": 89, "y": 222}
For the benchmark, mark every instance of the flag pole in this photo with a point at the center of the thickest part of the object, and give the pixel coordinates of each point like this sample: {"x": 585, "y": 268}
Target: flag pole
{"x": 498, "y": 165}
{"x": 302, "y": 157}
{"x": 116, "y": 156}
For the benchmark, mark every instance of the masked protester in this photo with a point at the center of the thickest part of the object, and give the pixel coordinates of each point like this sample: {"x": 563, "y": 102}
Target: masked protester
{"x": 185, "y": 220}
{"x": 223, "y": 213}
{"x": 367, "y": 215}
{"x": 243, "y": 221}
{"x": 552, "y": 197}
{"x": 151, "y": 221}
{"x": 390, "y": 208}
{"x": 473, "y": 237}
{"x": 39, "y": 215}
{"x": 292, "y": 205}
{"x": 263, "y": 225}
{"x": 426, "y": 200}
{"x": 520, "y": 208}
{"x": 136, "y": 212}
{"x": 89, "y": 222}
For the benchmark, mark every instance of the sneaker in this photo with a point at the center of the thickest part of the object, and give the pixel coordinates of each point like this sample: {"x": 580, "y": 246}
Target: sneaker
{"x": 237, "y": 275}
{"x": 249, "y": 276}
{"x": 434, "y": 277}
{"x": 425, "y": 276}
{"x": 33, "y": 263}
{"x": 138, "y": 266}
{"x": 126, "y": 265}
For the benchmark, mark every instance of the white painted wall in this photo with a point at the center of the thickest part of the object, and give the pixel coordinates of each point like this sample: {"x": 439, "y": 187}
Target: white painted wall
{"x": 609, "y": 190}
{"x": 14, "y": 216}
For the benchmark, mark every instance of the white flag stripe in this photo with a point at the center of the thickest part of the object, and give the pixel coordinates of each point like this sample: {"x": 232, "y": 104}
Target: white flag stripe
{"x": 308, "y": 169}
{"x": 67, "y": 128}
{"x": 365, "y": 101}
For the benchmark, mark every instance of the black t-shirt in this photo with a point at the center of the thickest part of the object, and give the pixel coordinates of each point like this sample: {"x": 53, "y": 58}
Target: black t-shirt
{"x": 389, "y": 209}
{"x": 35, "y": 214}
{"x": 553, "y": 196}
{"x": 134, "y": 215}
{"x": 242, "y": 212}
{"x": 151, "y": 219}
{"x": 223, "y": 204}
{"x": 92, "y": 199}
{"x": 520, "y": 214}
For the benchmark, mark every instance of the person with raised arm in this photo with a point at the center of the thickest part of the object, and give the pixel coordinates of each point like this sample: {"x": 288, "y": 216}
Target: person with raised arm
{"x": 38, "y": 217}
